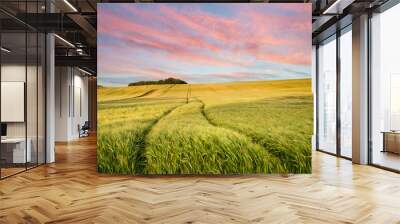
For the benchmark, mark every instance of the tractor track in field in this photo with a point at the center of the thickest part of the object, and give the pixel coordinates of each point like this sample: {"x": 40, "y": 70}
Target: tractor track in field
{"x": 140, "y": 166}
{"x": 203, "y": 112}
{"x": 166, "y": 90}
{"x": 148, "y": 92}
{"x": 252, "y": 139}
{"x": 145, "y": 93}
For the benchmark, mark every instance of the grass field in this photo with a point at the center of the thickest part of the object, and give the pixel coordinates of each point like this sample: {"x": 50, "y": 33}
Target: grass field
{"x": 228, "y": 128}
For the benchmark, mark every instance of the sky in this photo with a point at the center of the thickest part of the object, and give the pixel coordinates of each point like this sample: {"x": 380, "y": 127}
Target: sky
{"x": 203, "y": 43}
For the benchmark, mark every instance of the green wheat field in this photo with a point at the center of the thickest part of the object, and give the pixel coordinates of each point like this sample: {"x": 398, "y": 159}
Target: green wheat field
{"x": 228, "y": 128}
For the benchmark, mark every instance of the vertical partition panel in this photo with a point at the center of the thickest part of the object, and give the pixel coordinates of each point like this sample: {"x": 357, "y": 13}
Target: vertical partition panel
{"x": 14, "y": 151}
{"x": 346, "y": 93}
{"x": 32, "y": 98}
{"x": 23, "y": 90}
{"x": 327, "y": 96}
{"x": 41, "y": 107}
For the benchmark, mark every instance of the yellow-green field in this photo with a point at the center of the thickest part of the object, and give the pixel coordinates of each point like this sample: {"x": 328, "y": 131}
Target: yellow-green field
{"x": 229, "y": 128}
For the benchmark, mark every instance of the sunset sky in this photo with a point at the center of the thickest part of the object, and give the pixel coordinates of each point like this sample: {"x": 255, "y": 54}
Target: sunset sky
{"x": 202, "y": 43}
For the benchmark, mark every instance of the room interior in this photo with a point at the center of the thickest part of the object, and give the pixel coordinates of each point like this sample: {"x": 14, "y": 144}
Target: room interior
{"x": 385, "y": 115}
{"x": 25, "y": 66}
{"x": 336, "y": 84}
{"x": 22, "y": 102}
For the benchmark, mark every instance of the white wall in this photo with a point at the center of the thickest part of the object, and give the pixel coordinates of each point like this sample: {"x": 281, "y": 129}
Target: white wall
{"x": 80, "y": 109}
{"x": 62, "y": 83}
{"x": 33, "y": 127}
{"x": 314, "y": 90}
{"x": 13, "y": 101}
{"x": 71, "y": 102}
{"x": 16, "y": 73}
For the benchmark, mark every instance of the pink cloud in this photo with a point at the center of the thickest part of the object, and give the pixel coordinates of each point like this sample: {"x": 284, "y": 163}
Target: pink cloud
{"x": 215, "y": 27}
{"x": 177, "y": 45}
{"x": 249, "y": 39}
{"x": 202, "y": 38}
{"x": 291, "y": 58}
{"x": 114, "y": 23}
{"x": 237, "y": 75}
{"x": 125, "y": 68}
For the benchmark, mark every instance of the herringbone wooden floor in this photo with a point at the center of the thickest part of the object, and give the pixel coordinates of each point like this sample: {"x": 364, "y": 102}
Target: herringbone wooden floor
{"x": 71, "y": 191}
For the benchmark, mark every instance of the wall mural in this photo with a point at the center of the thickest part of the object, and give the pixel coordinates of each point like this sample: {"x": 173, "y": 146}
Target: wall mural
{"x": 204, "y": 88}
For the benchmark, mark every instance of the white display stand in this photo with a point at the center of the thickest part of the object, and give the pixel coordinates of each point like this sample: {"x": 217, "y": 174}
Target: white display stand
{"x": 19, "y": 155}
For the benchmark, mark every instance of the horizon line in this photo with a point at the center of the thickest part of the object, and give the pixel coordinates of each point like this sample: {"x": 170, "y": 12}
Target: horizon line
{"x": 207, "y": 83}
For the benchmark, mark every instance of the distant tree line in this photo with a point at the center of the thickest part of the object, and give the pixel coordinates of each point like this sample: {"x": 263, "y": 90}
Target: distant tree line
{"x": 159, "y": 82}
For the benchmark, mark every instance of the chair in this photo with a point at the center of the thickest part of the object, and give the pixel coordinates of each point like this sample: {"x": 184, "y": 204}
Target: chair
{"x": 84, "y": 130}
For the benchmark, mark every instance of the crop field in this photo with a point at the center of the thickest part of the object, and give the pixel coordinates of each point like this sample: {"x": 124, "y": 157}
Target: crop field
{"x": 226, "y": 128}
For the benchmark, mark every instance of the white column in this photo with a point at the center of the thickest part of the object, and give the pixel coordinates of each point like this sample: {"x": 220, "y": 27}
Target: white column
{"x": 50, "y": 99}
{"x": 314, "y": 91}
{"x": 360, "y": 90}
{"x": 50, "y": 92}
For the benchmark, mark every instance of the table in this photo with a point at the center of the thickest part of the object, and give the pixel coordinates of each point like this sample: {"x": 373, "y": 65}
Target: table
{"x": 391, "y": 141}
{"x": 13, "y": 150}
